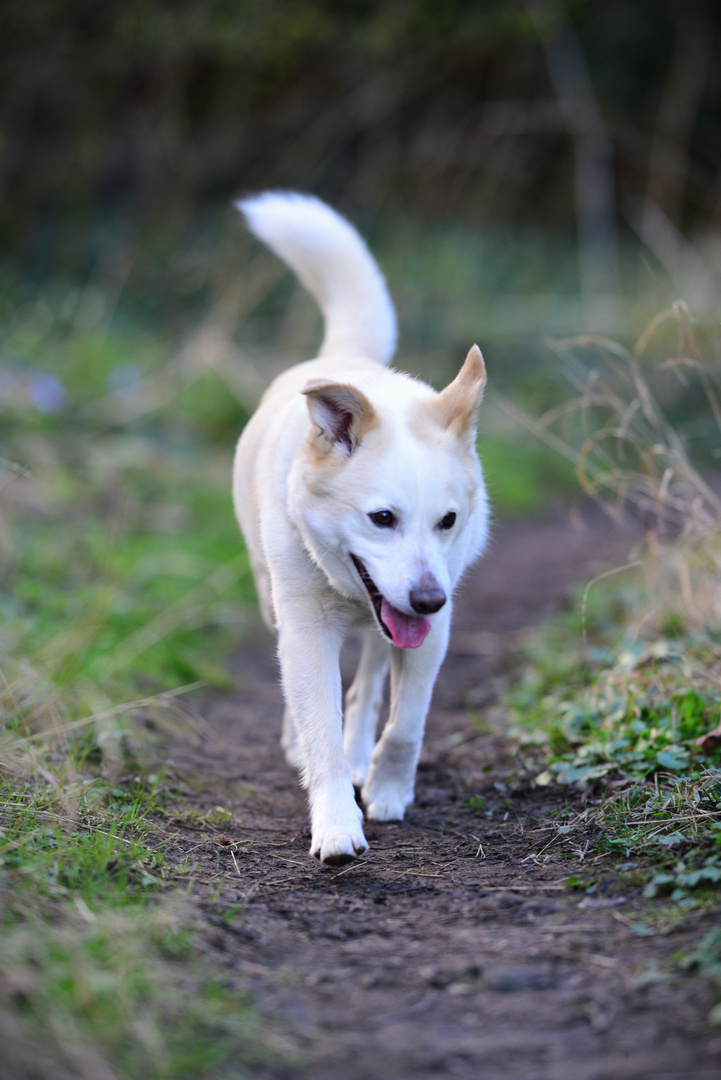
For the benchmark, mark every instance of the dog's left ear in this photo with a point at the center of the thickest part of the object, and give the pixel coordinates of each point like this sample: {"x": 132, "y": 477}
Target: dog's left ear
{"x": 455, "y": 407}
{"x": 341, "y": 415}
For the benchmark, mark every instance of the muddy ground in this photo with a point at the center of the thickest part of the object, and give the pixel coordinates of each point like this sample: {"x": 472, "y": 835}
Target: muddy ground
{"x": 454, "y": 948}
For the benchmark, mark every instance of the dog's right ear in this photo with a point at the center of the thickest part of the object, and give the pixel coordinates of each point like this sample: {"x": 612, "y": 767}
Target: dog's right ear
{"x": 341, "y": 415}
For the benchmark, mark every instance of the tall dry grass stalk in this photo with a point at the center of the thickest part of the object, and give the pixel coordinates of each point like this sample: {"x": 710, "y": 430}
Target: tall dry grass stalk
{"x": 633, "y": 460}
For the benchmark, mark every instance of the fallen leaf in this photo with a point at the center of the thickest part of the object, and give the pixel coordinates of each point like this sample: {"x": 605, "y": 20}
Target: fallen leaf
{"x": 711, "y": 740}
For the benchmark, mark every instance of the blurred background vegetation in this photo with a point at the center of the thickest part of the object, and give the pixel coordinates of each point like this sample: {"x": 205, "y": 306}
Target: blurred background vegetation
{"x": 499, "y": 150}
{"x": 524, "y": 170}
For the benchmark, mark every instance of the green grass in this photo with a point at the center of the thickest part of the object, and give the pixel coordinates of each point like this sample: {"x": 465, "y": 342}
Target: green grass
{"x": 123, "y": 581}
{"x": 83, "y": 858}
{"x": 611, "y": 705}
{"x": 613, "y": 715}
{"x": 636, "y": 715}
{"x": 127, "y": 991}
{"x": 100, "y": 952}
{"x": 619, "y": 697}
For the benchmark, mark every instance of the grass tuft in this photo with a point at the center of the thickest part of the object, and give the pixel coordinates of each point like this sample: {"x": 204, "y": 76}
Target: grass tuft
{"x": 117, "y": 545}
{"x": 621, "y": 700}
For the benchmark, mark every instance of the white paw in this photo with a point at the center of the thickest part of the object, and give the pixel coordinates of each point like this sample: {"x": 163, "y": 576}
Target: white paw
{"x": 389, "y": 787}
{"x": 387, "y": 806}
{"x": 336, "y": 848}
{"x": 337, "y": 826}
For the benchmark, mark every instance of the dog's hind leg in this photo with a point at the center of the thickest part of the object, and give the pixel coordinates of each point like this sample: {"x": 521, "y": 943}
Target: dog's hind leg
{"x": 389, "y": 787}
{"x": 289, "y": 741}
{"x": 262, "y": 588}
{"x": 362, "y": 705}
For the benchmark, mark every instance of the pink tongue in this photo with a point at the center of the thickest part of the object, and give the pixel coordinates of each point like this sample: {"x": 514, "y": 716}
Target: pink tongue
{"x": 407, "y": 631}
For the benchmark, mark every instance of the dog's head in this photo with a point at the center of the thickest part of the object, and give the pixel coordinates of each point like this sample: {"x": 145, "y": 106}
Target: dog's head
{"x": 388, "y": 493}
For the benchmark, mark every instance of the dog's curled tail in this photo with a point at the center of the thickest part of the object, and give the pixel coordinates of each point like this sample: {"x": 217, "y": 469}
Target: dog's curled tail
{"x": 333, "y": 263}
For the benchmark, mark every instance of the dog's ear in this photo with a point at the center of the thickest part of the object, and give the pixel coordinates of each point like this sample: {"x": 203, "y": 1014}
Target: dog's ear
{"x": 341, "y": 415}
{"x": 455, "y": 407}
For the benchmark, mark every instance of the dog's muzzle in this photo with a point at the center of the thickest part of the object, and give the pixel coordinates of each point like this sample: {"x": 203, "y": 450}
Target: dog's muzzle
{"x": 405, "y": 631}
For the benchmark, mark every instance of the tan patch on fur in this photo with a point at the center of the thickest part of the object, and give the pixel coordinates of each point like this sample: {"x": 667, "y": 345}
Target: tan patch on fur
{"x": 325, "y": 465}
{"x": 346, "y": 399}
{"x": 454, "y": 408}
{"x": 341, "y": 478}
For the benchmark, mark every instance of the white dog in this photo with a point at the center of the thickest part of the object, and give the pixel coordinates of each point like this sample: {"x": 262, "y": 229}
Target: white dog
{"x": 362, "y": 502}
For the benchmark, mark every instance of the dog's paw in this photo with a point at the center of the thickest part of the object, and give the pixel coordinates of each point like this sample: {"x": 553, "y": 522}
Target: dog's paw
{"x": 337, "y": 826}
{"x": 337, "y": 848}
{"x": 387, "y": 806}
{"x": 385, "y": 799}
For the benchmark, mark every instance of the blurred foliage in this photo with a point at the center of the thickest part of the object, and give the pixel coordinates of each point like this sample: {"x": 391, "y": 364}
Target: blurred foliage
{"x": 123, "y": 583}
{"x": 522, "y": 475}
{"x": 149, "y": 111}
{"x": 117, "y": 536}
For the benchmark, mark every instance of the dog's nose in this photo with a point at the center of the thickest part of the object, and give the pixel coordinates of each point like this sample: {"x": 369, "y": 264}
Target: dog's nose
{"x": 427, "y": 599}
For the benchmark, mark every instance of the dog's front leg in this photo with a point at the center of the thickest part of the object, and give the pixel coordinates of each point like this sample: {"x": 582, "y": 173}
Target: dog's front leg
{"x": 389, "y": 787}
{"x": 309, "y": 649}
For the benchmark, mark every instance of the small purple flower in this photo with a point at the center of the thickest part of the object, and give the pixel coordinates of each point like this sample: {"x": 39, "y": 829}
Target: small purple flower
{"x": 47, "y": 393}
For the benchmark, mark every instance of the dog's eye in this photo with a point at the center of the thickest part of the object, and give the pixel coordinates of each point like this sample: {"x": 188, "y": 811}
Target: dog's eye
{"x": 448, "y": 521}
{"x": 384, "y": 519}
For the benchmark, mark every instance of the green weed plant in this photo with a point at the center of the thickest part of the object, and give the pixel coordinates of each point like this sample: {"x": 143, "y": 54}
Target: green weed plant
{"x": 621, "y": 700}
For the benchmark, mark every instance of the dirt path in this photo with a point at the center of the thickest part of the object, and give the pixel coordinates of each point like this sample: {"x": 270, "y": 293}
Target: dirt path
{"x": 450, "y": 951}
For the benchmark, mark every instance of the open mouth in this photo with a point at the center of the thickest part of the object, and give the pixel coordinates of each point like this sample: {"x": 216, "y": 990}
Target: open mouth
{"x": 405, "y": 631}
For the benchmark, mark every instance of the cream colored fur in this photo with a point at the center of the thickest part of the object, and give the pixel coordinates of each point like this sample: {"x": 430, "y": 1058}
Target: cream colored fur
{"x": 362, "y": 502}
